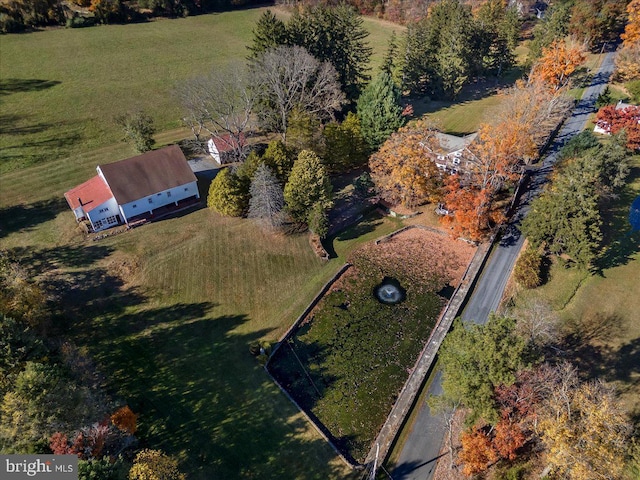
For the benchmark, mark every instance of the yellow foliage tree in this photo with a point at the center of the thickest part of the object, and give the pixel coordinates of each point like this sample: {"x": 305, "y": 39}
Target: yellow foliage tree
{"x": 631, "y": 33}
{"x": 586, "y": 432}
{"x": 628, "y": 62}
{"x": 154, "y": 465}
{"x": 628, "y": 58}
{"x": 404, "y": 170}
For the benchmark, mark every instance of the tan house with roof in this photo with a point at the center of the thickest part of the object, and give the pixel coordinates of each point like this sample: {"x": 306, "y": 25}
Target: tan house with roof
{"x": 134, "y": 188}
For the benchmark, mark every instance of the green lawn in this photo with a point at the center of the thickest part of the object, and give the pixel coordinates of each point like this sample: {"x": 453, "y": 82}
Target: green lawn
{"x": 167, "y": 310}
{"x": 463, "y": 117}
{"x": 601, "y": 309}
{"x": 60, "y": 89}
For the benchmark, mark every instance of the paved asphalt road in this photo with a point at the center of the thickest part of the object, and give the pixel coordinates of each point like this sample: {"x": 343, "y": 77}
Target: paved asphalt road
{"x": 419, "y": 455}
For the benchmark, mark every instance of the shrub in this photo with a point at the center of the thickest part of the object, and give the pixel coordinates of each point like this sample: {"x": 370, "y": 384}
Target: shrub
{"x": 527, "y": 269}
{"x": 634, "y": 89}
{"x": 226, "y": 195}
{"x": 78, "y": 21}
{"x": 363, "y": 186}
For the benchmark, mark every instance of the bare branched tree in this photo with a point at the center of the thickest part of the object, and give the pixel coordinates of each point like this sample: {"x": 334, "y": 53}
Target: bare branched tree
{"x": 267, "y": 199}
{"x": 536, "y": 108}
{"x": 287, "y": 78}
{"x": 537, "y": 322}
{"x": 219, "y": 105}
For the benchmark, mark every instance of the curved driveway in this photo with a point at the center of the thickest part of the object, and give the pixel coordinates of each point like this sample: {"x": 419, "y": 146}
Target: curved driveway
{"x": 421, "y": 450}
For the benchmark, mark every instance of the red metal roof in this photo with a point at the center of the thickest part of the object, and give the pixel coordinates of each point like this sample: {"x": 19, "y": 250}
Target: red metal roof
{"x": 226, "y": 143}
{"x": 92, "y": 193}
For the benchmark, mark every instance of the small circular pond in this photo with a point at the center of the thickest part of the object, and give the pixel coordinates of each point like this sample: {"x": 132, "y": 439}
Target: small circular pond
{"x": 390, "y": 291}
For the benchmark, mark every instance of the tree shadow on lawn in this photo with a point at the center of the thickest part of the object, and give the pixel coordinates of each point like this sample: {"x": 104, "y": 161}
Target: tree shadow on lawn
{"x": 8, "y": 126}
{"x": 587, "y": 348}
{"x": 29, "y": 151}
{"x": 367, "y": 225}
{"x": 481, "y": 88}
{"x": 202, "y": 397}
{"x": 42, "y": 260}
{"x": 622, "y": 243}
{"x": 24, "y": 217}
{"x": 21, "y": 85}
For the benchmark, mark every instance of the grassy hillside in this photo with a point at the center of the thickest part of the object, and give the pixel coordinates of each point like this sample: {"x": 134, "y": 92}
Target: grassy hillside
{"x": 167, "y": 310}
{"x": 61, "y": 89}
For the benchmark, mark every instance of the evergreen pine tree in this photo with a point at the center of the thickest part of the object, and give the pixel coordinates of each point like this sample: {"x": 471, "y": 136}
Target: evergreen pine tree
{"x": 379, "y": 110}
{"x": 226, "y": 195}
{"x": 268, "y": 33}
{"x": 308, "y": 184}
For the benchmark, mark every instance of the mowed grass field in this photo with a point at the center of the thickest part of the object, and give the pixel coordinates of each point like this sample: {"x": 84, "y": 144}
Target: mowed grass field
{"x": 167, "y": 310}
{"x": 602, "y": 309}
{"x": 61, "y": 89}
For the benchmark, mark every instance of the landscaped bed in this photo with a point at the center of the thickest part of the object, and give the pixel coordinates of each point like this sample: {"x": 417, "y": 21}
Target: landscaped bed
{"x": 347, "y": 361}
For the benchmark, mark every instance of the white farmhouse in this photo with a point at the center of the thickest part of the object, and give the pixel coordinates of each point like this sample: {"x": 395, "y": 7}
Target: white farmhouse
{"x": 135, "y": 188}
{"x": 453, "y": 154}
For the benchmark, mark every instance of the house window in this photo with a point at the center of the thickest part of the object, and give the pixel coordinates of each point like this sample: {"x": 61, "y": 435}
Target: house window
{"x": 159, "y": 193}
{"x": 168, "y": 194}
{"x": 98, "y": 224}
{"x": 134, "y": 206}
{"x": 150, "y": 200}
{"x": 186, "y": 189}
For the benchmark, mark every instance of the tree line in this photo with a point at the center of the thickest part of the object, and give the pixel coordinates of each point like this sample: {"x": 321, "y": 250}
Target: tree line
{"x": 592, "y": 21}
{"x": 20, "y": 15}
{"x": 301, "y": 77}
{"x": 522, "y": 398}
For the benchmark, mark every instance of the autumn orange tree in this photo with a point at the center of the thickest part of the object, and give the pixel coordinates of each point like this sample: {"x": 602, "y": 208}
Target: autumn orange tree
{"x": 631, "y": 33}
{"x": 404, "y": 170}
{"x": 628, "y": 58}
{"x": 559, "y": 60}
{"x": 471, "y": 208}
{"x": 498, "y": 155}
{"x": 477, "y": 452}
{"x": 615, "y": 120}
{"x": 500, "y": 151}
{"x": 125, "y": 420}
{"x": 528, "y": 113}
